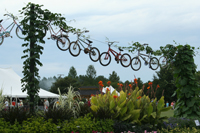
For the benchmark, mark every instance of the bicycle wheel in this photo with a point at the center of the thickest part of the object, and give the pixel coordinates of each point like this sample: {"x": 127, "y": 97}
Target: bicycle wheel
{"x": 1, "y": 39}
{"x": 63, "y": 43}
{"x": 125, "y": 60}
{"x": 163, "y": 61}
{"x": 74, "y": 49}
{"x": 135, "y": 64}
{"x": 19, "y": 33}
{"x": 154, "y": 63}
{"x": 94, "y": 54}
{"x": 105, "y": 59}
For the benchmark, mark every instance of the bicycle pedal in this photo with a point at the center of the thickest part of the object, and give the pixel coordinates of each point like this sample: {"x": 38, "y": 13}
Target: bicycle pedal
{"x": 48, "y": 38}
{"x": 11, "y": 36}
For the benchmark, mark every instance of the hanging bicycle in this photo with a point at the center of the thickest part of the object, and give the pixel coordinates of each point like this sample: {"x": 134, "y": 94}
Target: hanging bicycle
{"x": 105, "y": 57}
{"x": 152, "y": 61}
{"x": 4, "y": 32}
{"x": 75, "y": 49}
{"x": 62, "y": 40}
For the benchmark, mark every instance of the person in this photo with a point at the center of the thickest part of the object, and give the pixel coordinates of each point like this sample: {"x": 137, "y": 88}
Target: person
{"x": 6, "y": 104}
{"x": 13, "y": 103}
{"x": 46, "y": 105}
{"x": 167, "y": 104}
{"x": 21, "y": 103}
{"x": 172, "y": 105}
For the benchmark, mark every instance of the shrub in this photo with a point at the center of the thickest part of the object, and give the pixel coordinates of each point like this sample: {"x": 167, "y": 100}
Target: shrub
{"x": 179, "y": 130}
{"x": 15, "y": 114}
{"x": 58, "y": 114}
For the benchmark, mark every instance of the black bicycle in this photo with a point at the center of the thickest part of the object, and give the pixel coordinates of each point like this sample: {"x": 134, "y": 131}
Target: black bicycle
{"x": 74, "y": 47}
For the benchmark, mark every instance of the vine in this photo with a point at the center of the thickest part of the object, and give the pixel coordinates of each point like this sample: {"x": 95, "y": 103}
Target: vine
{"x": 34, "y": 22}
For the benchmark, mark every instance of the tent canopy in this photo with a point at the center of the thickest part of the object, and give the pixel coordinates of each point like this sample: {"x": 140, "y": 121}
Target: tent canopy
{"x": 10, "y": 82}
{"x": 111, "y": 90}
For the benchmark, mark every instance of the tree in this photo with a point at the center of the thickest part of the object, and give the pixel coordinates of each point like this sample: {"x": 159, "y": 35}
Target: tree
{"x": 72, "y": 72}
{"x": 47, "y": 83}
{"x": 63, "y": 84}
{"x": 34, "y": 23}
{"x": 113, "y": 77}
{"x": 166, "y": 81}
{"x": 91, "y": 72}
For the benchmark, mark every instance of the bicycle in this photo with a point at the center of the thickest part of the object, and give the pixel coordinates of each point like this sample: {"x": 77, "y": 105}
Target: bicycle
{"x": 150, "y": 60}
{"x": 123, "y": 58}
{"x": 4, "y": 32}
{"x": 75, "y": 49}
{"x": 170, "y": 51}
{"x": 62, "y": 40}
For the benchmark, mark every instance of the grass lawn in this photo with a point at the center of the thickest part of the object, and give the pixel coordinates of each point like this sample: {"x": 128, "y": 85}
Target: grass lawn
{"x": 169, "y": 113}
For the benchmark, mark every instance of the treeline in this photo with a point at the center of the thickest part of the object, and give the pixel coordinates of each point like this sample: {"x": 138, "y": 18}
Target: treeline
{"x": 163, "y": 78}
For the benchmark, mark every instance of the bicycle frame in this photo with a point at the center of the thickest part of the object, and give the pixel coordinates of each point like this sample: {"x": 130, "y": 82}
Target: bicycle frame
{"x": 114, "y": 53}
{"x": 52, "y": 32}
{"x": 141, "y": 55}
{"x": 12, "y": 24}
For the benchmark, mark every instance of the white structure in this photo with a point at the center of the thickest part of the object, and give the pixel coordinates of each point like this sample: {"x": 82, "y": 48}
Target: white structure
{"x": 111, "y": 90}
{"x": 10, "y": 82}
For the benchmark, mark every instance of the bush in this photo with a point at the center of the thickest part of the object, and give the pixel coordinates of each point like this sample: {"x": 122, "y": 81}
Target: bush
{"x": 15, "y": 114}
{"x": 180, "y": 122}
{"x": 58, "y": 114}
{"x": 179, "y": 130}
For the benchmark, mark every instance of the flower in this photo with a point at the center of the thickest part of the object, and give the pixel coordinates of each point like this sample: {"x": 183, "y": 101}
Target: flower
{"x": 100, "y": 82}
{"x": 92, "y": 95}
{"x": 158, "y": 86}
{"x": 121, "y": 85}
{"x": 130, "y": 85}
{"x": 135, "y": 80}
{"x": 107, "y": 89}
{"x": 139, "y": 97}
{"x": 148, "y": 87}
{"x": 129, "y": 94}
{"x": 118, "y": 84}
{"x": 115, "y": 96}
{"x": 108, "y": 82}
{"x": 101, "y": 85}
{"x": 150, "y": 83}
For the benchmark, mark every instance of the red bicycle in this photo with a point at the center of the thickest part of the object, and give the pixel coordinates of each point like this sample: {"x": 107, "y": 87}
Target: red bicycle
{"x": 105, "y": 58}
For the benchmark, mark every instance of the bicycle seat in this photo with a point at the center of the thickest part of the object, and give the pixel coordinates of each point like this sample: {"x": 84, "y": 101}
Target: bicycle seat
{"x": 120, "y": 49}
{"x": 89, "y": 41}
{"x": 1, "y": 20}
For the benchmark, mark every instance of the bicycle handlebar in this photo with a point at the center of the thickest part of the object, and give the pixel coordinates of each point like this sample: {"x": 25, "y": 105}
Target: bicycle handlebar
{"x": 10, "y": 16}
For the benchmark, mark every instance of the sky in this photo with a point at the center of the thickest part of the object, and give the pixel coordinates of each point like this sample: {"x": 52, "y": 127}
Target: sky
{"x": 154, "y": 22}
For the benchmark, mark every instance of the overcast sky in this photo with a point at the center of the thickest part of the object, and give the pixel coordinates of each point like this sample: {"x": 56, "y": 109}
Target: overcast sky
{"x": 146, "y": 21}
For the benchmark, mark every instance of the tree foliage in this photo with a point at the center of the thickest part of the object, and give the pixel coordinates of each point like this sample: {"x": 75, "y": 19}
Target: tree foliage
{"x": 72, "y": 72}
{"x": 34, "y": 23}
{"x": 91, "y": 72}
{"x": 63, "y": 84}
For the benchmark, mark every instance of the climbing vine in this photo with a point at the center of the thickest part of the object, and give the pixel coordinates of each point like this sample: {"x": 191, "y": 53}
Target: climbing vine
{"x": 34, "y": 23}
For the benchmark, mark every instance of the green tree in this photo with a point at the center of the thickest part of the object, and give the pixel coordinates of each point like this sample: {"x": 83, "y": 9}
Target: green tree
{"x": 165, "y": 80}
{"x": 113, "y": 77}
{"x": 34, "y": 22}
{"x": 91, "y": 72}
{"x": 72, "y": 72}
{"x": 63, "y": 84}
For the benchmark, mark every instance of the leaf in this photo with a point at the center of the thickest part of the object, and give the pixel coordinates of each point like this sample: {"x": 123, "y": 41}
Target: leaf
{"x": 126, "y": 117}
{"x": 149, "y": 110}
{"x": 153, "y": 115}
{"x": 112, "y": 104}
{"x": 123, "y": 110}
{"x": 165, "y": 109}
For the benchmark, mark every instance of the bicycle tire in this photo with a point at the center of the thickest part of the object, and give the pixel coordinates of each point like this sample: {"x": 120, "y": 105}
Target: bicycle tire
{"x": 154, "y": 60}
{"x": 163, "y": 62}
{"x": 103, "y": 58}
{"x": 125, "y": 58}
{"x": 65, "y": 42}
{"x": 73, "y": 47}
{"x": 134, "y": 62}
{"x": 1, "y": 40}
{"x": 19, "y": 32}
{"x": 94, "y": 54}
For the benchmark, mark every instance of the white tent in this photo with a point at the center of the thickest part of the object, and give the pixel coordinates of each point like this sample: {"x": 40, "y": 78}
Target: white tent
{"x": 111, "y": 90}
{"x": 10, "y": 82}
